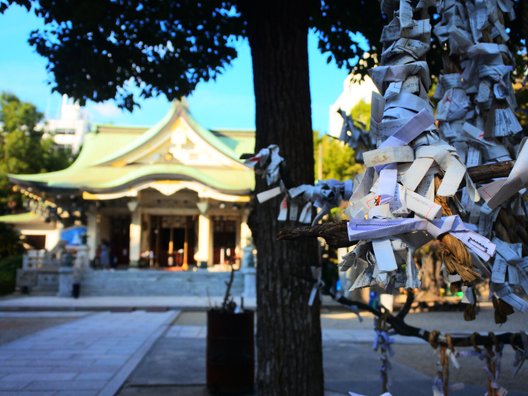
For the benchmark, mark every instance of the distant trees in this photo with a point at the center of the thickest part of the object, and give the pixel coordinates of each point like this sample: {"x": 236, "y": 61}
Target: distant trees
{"x": 23, "y": 148}
{"x": 361, "y": 112}
{"x": 334, "y": 160}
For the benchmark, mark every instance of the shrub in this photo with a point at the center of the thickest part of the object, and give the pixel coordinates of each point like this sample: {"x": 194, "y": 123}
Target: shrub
{"x": 8, "y": 268}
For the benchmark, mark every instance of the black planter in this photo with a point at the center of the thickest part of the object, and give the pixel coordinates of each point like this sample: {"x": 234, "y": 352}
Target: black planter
{"x": 76, "y": 290}
{"x": 230, "y": 352}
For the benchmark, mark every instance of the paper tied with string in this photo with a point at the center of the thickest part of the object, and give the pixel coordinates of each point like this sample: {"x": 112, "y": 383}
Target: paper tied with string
{"x": 386, "y": 262}
{"x": 396, "y": 196}
{"x": 325, "y": 195}
{"x": 446, "y": 354}
{"x": 478, "y": 104}
{"x": 401, "y": 115}
{"x": 359, "y": 229}
{"x": 500, "y": 190}
{"x": 267, "y": 162}
{"x": 521, "y": 353}
{"x": 383, "y": 344}
{"x": 510, "y": 273}
{"x": 298, "y": 202}
{"x": 317, "y": 284}
{"x": 493, "y": 368}
{"x": 492, "y": 358}
{"x": 483, "y": 88}
{"x": 354, "y": 133}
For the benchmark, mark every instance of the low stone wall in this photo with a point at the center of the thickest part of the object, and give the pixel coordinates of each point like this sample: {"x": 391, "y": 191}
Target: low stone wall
{"x": 132, "y": 282}
{"x": 43, "y": 280}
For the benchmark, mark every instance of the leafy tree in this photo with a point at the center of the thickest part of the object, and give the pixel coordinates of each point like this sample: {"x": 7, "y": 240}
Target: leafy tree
{"x": 337, "y": 161}
{"x": 54, "y": 157}
{"x": 361, "y": 112}
{"x": 17, "y": 115}
{"x": 23, "y": 149}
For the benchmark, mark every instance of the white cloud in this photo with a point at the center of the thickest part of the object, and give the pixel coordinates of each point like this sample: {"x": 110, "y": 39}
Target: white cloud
{"x": 106, "y": 109}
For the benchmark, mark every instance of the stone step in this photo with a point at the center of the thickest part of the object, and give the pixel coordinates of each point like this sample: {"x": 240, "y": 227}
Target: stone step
{"x": 158, "y": 283}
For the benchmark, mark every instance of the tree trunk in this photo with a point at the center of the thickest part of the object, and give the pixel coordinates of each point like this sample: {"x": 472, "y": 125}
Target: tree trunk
{"x": 289, "y": 350}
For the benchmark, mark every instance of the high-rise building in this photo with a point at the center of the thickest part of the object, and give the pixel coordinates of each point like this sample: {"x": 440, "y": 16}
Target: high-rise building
{"x": 69, "y": 129}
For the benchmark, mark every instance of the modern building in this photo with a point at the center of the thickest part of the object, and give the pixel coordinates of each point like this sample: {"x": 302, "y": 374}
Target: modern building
{"x": 173, "y": 194}
{"x": 70, "y": 128}
{"x": 353, "y": 92}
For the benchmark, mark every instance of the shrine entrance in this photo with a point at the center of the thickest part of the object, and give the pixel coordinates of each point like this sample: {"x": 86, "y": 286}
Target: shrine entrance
{"x": 224, "y": 240}
{"x": 172, "y": 240}
{"x": 119, "y": 240}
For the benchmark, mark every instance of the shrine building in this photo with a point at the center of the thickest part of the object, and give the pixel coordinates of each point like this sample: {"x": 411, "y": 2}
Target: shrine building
{"x": 175, "y": 194}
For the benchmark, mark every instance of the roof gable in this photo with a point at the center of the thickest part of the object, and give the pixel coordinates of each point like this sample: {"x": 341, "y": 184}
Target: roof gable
{"x": 179, "y": 139}
{"x": 116, "y": 159}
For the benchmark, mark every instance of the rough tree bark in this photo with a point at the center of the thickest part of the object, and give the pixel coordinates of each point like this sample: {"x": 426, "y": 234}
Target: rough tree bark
{"x": 289, "y": 350}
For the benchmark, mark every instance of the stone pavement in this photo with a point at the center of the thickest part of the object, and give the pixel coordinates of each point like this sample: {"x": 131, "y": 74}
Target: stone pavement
{"x": 175, "y": 364}
{"x": 90, "y": 356}
{"x": 88, "y": 303}
{"x": 139, "y": 353}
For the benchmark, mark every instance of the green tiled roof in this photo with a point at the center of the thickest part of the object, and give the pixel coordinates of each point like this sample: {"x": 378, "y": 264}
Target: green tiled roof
{"x": 241, "y": 142}
{"x": 102, "y": 178}
{"x": 106, "y": 161}
{"x": 21, "y": 218}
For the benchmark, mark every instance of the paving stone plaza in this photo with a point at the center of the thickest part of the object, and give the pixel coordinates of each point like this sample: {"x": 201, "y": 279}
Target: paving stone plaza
{"x": 157, "y": 348}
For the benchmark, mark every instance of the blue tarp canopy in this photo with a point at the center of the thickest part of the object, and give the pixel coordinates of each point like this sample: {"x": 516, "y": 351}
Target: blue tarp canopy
{"x": 73, "y": 235}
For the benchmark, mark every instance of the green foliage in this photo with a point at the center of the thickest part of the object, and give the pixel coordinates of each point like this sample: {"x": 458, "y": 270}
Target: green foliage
{"x": 23, "y": 149}
{"x": 8, "y": 268}
{"x": 521, "y": 95}
{"x": 361, "y": 112}
{"x": 125, "y": 49}
{"x": 18, "y": 115}
{"x": 10, "y": 244}
{"x": 337, "y": 159}
{"x": 54, "y": 157}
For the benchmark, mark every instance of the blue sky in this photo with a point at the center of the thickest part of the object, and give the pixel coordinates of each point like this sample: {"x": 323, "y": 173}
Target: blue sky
{"x": 227, "y": 102}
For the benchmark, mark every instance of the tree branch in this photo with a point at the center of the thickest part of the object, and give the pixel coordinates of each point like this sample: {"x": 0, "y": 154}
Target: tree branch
{"x": 398, "y": 324}
{"x": 335, "y": 234}
{"x": 487, "y": 172}
{"x": 407, "y": 306}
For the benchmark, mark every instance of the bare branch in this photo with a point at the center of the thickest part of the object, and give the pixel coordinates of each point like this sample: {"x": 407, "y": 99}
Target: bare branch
{"x": 335, "y": 234}
{"x": 400, "y": 327}
{"x": 407, "y": 306}
{"x": 483, "y": 173}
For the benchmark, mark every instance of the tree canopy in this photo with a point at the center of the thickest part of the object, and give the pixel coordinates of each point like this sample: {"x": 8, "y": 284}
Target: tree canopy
{"x": 23, "y": 149}
{"x": 337, "y": 159}
{"x": 138, "y": 48}
{"x": 126, "y": 49}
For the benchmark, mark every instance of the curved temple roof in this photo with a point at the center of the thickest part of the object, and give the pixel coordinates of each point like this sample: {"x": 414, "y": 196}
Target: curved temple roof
{"x": 116, "y": 159}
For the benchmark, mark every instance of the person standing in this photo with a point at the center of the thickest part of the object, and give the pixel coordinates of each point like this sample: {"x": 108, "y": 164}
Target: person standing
{"x": 104, "y": 254}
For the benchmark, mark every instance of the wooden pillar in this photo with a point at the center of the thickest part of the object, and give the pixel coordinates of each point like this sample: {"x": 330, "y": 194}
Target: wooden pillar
{"x": 203, "y": 254}
{"x": 185, "y": 265}
{"x": 93, "y": 232}
{"x": 135, "y": 238}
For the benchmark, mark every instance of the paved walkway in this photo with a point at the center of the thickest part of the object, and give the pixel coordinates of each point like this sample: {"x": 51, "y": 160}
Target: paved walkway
{"x": 139, "y": 353}
{"x": 175, "y": 366}
{"x": 52, "y": 303}
{"x": 90, "y": 356}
